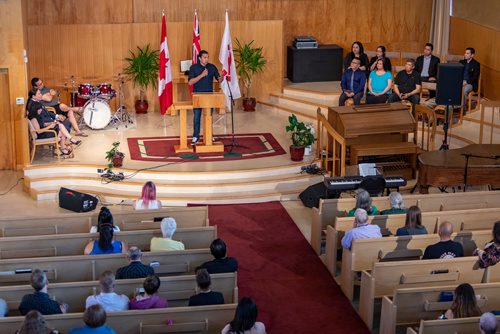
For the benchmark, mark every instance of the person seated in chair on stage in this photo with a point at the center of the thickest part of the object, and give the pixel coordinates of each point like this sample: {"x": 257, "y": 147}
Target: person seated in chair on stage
{"x": 148, "y": 199}
{"x": 42, "y": 119}
{"x": 106, "y": 243}
{"x": 380, "y": 55}
{"x": 397, "y": 205}
{"x": 472, "y": 69}
{"x": 379, "y": 84}
{"x": 357, "y": 51}
{"x": 413, "y": 223}
{"x": 445, "y": 248}
{"x": 363, "y": 201}
{"x": 168, "y": 226}
{"x": 407, "y": 84}
{"x": 353, "y": 83}
{"x": 427, "y": 64}
{"x": 361, "y": 229}
{"x": 201, "y": 77}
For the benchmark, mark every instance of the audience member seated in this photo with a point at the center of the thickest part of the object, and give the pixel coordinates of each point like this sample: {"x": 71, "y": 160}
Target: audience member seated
{"x": 363, "y": 201}
{"x": 380, "y": 55}
{"x": 50, "y": 99}
{"x": 445, "y": 248}
{"x": 4, "y": 308}
{"x": 205, "y": 296}
{"x": 379, "y": 84}
{"x": 491, "y": 253}
{"x": 105, "y": 218}
{"x": 34, "y": 323}
{"x": 95, "y": 320}
{"x": 357, "y": 51}
{"x": 135, "y": 269}
{"x": 427, "y": 64}
{"x": 221, "y": 263}
{"x": 352, "y": 83}
{"x": 464, "y": 303}
{"x": 148, "y": 198}
{"x": 149, "y": 298}
{"x": 108, "y": 298}
{"x": 168, "y": 226}
{"x": 40, "y": 300}
{"x": 472, "y": 69}
{"x": 407, "y": 84}
{"x": 397, "y": 205}
{"x": 106, "y": 243}
{"x": 488, "y": 323}
{"x": 245, "y": 319}
{"x": 361, "y": 229}
{"x": 42, "y": 119}
{"x": 413, "y": 223}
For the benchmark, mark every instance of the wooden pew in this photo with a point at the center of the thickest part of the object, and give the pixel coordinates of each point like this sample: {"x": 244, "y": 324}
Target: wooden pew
{"x": 365, "y": 252}
{"x": 329, "y": 209}
{"x": 385, "y": 277}
{"x": 74, "y": 244}
{"x": 89, "y": 267}
{"x": 462, "y": 326}
{"x": 64, "y": 223}
{"x": 207, "y": 319}
{"x": 409, "y": 306}
{"x": 176, "y": 289}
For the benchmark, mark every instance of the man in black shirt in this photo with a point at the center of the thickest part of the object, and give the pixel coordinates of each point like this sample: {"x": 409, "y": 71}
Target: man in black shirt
{"x": 40, "y": 300}
{"x": 135, "y": 269}
{"x": 445, "y": 248}
{"x": 205, "y": 296}
{"x": 427, "y": 64}
{"x": 472, "y": 69}
{"x": 407, "y": 85}
{"x": 201, "y": 76}
{"x": 220, "y": 263}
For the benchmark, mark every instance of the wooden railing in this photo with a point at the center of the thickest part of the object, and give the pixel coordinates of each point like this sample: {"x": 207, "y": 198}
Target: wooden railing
{"x": 491, "y": 123}
{"x": 332, "y": 159}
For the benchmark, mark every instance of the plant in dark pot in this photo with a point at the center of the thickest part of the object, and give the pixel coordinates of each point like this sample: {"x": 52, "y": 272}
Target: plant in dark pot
{"x": 301, "y": 137}
{"x": 114, "y": 156}
{"x": 142, "y": 69}
{"x": 249, "y": 61}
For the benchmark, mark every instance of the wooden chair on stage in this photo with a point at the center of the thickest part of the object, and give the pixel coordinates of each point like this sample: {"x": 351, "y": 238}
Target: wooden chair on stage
{"x": 428, "y": 125}
{"x": 474, "y": 94}
{"x": 35, "y": 141}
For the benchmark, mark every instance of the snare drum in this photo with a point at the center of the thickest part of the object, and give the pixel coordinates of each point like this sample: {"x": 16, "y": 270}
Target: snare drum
{"x": 85, "y": 90}
{"x": 96, "y": 113}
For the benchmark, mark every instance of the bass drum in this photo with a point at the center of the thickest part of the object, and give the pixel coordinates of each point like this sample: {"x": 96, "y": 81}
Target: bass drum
{"x": 97, "y": 114}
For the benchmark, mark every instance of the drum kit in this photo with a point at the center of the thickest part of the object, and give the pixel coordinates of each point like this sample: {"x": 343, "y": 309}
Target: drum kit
{"x": 94, "y": 100}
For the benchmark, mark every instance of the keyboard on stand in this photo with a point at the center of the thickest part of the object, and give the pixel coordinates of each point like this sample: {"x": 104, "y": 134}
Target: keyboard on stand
{"x": 352, "y": 182}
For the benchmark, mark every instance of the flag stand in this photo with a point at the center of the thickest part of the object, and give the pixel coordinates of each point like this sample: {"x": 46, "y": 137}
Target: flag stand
{"x": 233, "y": 143}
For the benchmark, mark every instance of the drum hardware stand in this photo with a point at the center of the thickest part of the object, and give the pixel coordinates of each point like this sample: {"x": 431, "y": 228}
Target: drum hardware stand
{"x": 121, "y": 114}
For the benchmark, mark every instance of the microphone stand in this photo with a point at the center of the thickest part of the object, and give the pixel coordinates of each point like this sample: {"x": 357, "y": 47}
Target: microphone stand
{"x": 233, "y": 143}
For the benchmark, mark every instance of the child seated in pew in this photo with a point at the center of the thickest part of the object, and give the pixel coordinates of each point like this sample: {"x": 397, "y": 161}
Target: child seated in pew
{"x": 413, "y": 223}
{"x": 205, "y": 296}
{"x": 397, "y": 205}
{"x": 105, "y": 218}
{"x": 363, "y": 201}
{"x": 149, "y": 298}
{"x": 34, "y": 323}
{"x": 94, "y": 319}
{"x": 491, "y": 253}
{"x": 245, "y": 319}
{"x": 464, "y": 303}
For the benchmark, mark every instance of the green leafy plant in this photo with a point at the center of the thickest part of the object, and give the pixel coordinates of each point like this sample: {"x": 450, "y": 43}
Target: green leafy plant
{"x": 112, "y": 153}
{"x": 301, "y": 134}
{"x": 249, "y": 61}
{"x": 142, "y": 68}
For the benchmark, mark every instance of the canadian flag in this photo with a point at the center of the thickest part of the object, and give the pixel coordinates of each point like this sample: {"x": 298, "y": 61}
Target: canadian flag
{"x": 165, "y": 72}
{"x": 230, "y": 85}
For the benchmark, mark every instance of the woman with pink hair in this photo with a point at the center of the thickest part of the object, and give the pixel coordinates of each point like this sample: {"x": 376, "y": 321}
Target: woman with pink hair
{"x": 148, "y": 198}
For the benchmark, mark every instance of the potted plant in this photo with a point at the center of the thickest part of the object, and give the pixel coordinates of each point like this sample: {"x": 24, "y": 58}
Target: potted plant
{"x": 114, "y": 156}
{"x": 249, "y": 61}
{"x": 142, "y": 69}
{"x": 301, "y": 137}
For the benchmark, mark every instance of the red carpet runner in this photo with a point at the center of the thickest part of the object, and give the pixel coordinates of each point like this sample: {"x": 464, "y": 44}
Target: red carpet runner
{"x": 279, "y": 269}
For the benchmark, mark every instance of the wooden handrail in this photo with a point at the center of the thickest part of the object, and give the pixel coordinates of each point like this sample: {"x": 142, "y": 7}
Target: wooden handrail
{"x": 338, "y": 140}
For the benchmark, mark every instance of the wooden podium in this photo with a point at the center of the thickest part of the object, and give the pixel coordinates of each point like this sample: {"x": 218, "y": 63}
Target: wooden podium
{"x": 205, "y": 101}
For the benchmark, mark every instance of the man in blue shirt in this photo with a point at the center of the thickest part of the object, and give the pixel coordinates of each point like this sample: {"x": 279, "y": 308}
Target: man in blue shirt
{"x": 353, "y": 83}
{"x": 201, "y": 76}
{"x": 362, "y": 229}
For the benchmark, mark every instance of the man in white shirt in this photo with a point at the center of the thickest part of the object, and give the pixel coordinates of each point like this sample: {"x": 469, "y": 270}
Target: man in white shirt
{"x": 361, "y": 229}
{"x": 108, "y": 299}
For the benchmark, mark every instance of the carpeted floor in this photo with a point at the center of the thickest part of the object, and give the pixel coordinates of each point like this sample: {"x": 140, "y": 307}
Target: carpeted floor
{"x": 279, "y": 269}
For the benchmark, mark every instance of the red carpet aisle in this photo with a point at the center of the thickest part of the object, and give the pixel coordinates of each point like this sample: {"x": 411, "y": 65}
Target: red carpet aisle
{"x": 279, "y": 269}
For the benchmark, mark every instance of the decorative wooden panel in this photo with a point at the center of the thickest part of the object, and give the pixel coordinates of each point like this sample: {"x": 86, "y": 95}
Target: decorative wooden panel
{"x": 6, "y": 125}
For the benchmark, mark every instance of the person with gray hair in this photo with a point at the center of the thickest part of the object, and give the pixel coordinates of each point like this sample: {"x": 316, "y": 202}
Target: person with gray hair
{"x": 397, "y": 205}
{"x": 168, "y": 226}
{"x": 4, "y": 308}
{"x": 40, "y": 300}
{"x": 488, "y": 323}
{"x": 363, "y": 201}
{"x": 361, "y": 229}
{"x": 445, "y": 248}
{"x": 135, "y": 269}
{"x": 108, "y": 299}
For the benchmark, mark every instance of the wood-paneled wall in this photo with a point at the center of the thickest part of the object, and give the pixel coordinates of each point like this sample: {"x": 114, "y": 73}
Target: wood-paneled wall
{"x": 75, "y": 50}
{"x": 486, "y": 42}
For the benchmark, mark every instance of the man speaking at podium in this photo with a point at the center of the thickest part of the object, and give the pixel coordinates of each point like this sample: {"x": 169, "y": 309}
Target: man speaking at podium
{"x": 201, "y": 76}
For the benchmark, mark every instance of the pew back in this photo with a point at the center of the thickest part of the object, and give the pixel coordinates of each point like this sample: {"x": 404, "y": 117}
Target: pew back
{"x": 462, "y": 326}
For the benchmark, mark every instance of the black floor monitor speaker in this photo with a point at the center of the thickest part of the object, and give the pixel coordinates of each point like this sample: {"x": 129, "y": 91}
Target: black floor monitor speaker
{"x": 311, "y": 196}
{"x": 76, "y": 201}
{"x": 449, "y": 84}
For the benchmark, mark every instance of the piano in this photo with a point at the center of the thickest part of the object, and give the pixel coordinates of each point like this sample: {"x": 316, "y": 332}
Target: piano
{"x": 343, "y": 183}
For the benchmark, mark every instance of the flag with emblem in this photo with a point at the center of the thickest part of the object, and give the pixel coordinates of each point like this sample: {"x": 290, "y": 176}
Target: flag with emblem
{"x": 165, "y": 94}
{"x": 230, "y": 85}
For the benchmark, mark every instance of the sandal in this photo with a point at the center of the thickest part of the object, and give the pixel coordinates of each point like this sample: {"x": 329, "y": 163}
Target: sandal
{"x": 81, "y": 134}
{"x": 75, "y": 142}
{"x": 65, "y": 152}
